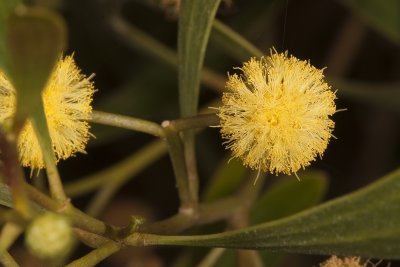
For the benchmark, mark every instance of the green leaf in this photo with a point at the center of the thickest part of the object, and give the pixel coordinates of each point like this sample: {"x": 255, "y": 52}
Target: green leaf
{"x": 5, "y": 196}
{"x": 363, "y": 223}
{"x": 226, "y": 180}
{"x": 384, "y": 16}
{"x": 6, "y": 7}
{"x": 233, "y": 43}
{"x": 35, "y": 39}
{"x": 385, "y": 96}
{"x": 228, "y": 258}
{"x": 195, "y": 22}
{"x": 275, "y": 204}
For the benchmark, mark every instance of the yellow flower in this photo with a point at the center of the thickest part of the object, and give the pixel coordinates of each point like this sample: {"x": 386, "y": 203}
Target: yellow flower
{"x": 67, "y": 104}
{"x": 275, "y": 116}
{"x": 334, "y": 261}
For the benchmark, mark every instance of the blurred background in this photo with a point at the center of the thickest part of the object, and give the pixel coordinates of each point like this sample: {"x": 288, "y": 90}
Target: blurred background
{"x": 358, "y": 41}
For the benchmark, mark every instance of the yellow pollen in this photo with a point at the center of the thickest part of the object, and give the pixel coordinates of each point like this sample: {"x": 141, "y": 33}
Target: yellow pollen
{"x": 67, "y": 104}
{"x": 275, "y": 116}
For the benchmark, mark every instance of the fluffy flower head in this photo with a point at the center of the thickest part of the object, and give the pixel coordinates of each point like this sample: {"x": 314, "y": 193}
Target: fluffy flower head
{"x": 67, "y": 104}
{"x": 275, "y": 116}
{"x": 335, "y": 261}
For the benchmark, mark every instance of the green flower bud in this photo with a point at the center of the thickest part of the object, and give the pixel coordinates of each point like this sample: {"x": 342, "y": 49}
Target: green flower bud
{"x": 49, "y": 235}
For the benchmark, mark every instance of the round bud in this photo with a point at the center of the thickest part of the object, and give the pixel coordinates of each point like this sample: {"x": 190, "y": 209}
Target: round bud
{"x": 49, "y": 235}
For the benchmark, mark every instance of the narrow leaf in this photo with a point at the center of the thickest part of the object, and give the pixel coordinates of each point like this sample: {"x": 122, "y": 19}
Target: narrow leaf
{"x": 195, "y": 22}
{"x": 383, "y": 16}
{"x": 35, "y": 38}
{"x": 363, "y": 223}
{"x": 226, "y": 180}
{"x": 233, "y": 43}
{"x": 275, "y": 203}
{"x": 385, "y": 96}
{"x": 6, "y": 8}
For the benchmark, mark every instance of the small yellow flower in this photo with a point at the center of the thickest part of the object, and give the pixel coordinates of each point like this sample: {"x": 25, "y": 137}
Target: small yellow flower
{"x": 334, "y": 261}
{"x": 67, "y": 104}
{"x": 275, "y": 116}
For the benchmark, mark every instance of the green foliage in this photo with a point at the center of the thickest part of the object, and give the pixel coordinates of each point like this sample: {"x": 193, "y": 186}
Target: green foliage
{"x": 194, "y": 30}
{"x": 35, "y": 40}
{"x": 363, "y": 223}
{"x": 226, "y": 180}
{"x": 384, "y": 96}
{"x": 6, "y": 8}
{"x": 304, "y": 193}
{"x": 274, "y": 204}
{"x": 384, "y": 16}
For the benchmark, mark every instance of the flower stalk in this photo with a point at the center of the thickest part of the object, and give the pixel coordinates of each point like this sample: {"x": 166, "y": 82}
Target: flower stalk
{"x": 97, "y": 255}
{"x": 177, "y": 154}
{"x": 126, "y": 122}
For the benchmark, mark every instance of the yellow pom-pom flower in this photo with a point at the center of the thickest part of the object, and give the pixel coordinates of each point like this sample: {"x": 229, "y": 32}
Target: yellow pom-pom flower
{"x": 275, "y": 116}
{"x": 67, "y": 104}
{"x": 335, "y": 261}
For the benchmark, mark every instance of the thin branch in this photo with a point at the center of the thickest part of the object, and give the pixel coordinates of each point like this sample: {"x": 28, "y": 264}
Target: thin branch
{"x": 12, "y": 172}
{"x": 140, "y": 40}
{"x": 120, "y": 172}
{"x": 9, "y": 234}
{"x": 127, "y": 122}
{"x": 40, "y": 128}
{"x": 177, "y": 155}
{"x": 195, "y": 122}
{"x": 206, "y": 213}
{"x": 96, "y": 256}
{"x": 7, "y": 260}
{"x": 189, "y": 143}
{"x": 212, "y": 257}
{"x": 236, "y": 39}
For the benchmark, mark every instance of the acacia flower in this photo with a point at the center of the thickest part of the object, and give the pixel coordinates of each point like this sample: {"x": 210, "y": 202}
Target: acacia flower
{"x": 335, "y": 261}
{"x": 67, "y": 104}
{"x": 275, "y": 116}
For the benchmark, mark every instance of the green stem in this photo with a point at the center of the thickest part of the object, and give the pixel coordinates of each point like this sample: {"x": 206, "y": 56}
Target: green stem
{"x": 127, "y": 123}
{"x": 89, "y": 239}
{"x": 212, "y": 257}
{"x": 172, "y": 225}
{"x": 206, "y": 213}
{"x": 102, "y": 198}
{"x": 142, "y": 41}
{"x": 96, "y": 256}
{"x": 177, "y": 155}
{"x": 12, "y": 172}
{"x": 12, "y": 216}
{"x": 198, "y": 121}
{"x": 120, "y": 172}
{"x": 235, "y": 39}
{"x": 9, "y": 233}
{"x": 83, "y": 221}
{"x": 39, "y": 124}
{"x": 189, "y": 142}
{"x": 7, "y": 260}
{"x": 79, "y": 218}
